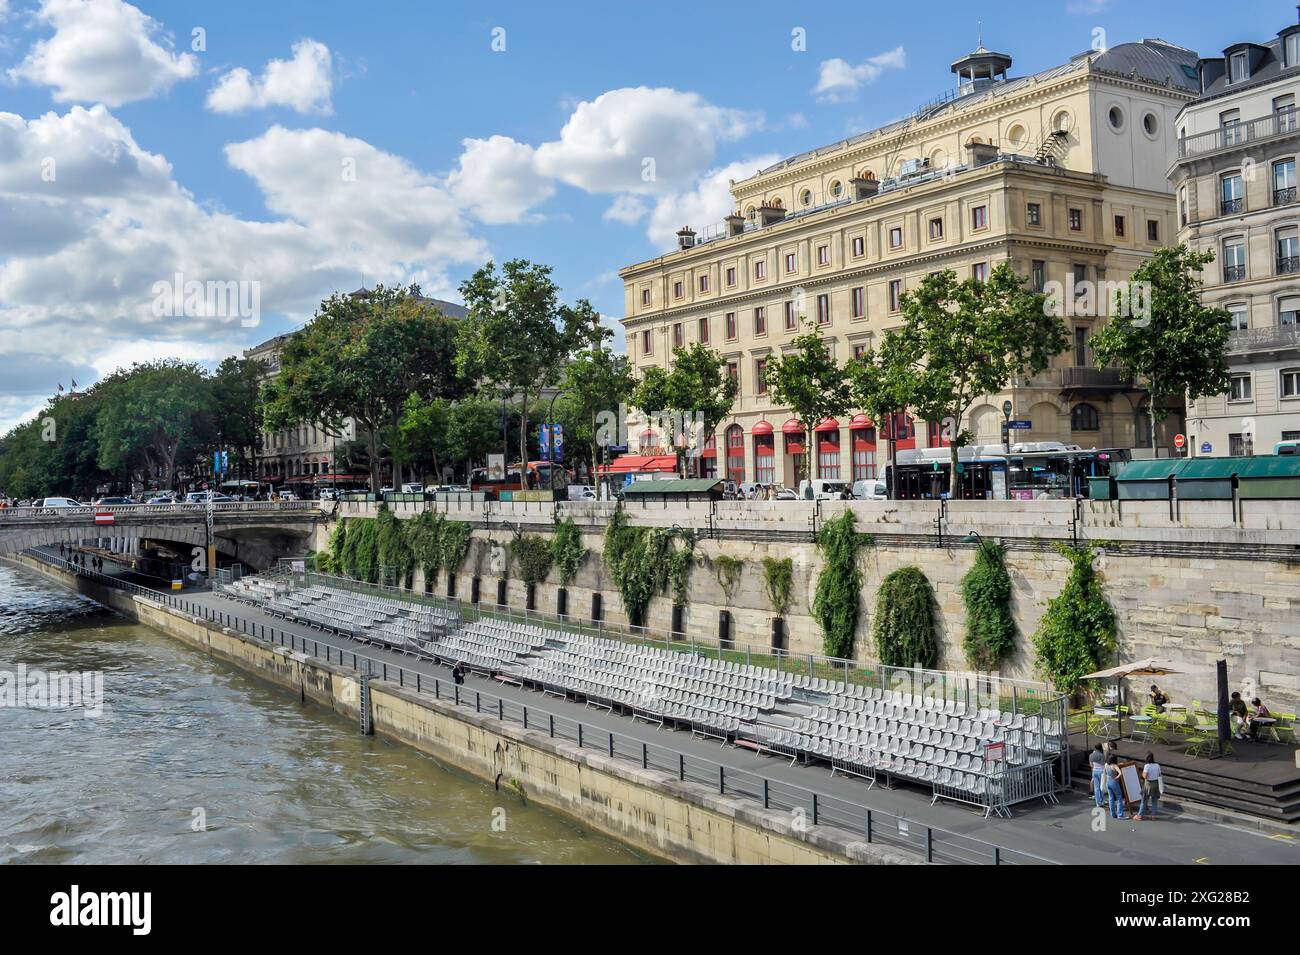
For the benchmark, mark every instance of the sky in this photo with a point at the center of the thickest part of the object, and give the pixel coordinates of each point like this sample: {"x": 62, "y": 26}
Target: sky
{"x": 186, "y": 180}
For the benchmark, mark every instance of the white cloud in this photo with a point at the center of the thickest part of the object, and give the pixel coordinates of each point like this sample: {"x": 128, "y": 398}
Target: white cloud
{"x": 628, "y": 210}
{"x": 103, "y": 51}
{"x": 838, "y": 80}
{"x": 303, "y": 84}
{"x": 114, "y": 221}
{"x": 498, "y": 180}
{"x": 704, "y": 205}
{"x": 635, "y": 141}
{"x": 1078, "y": 7}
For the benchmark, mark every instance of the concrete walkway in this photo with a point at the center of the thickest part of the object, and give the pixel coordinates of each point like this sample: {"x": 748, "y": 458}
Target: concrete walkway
{"x": 1063, "y": 833}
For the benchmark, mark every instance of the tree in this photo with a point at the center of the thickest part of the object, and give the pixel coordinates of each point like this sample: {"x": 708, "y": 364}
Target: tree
{"x": 237, "y": 408}
{"x": 595, "y": 381}
{"x": 696, "y": 394}
{"x": 1178, "y": 347}
{"x": 473, "y": 431}
{"x": 809, "y": 381}
{"x": 158, "y": 416}
{"x": 362, "y": 358}
{"x": 518, "y": 335}
{"x": 880, "y": 384}
{"x": 964, "y": 339}
{"x": 421, "y": 433}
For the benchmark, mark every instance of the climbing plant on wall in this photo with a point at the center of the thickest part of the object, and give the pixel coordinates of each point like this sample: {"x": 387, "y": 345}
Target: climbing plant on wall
{"x": 641, "y": 561}
{"x": 567, "y": 549}
{"x": 393, "y": 550}
{"x": 727, "y": 571}
{"x": 361, "y": 550}
{"x": 839, "y": 585}
{"x": 1077, "y": 633}
{"x": 424, "y": 534}
{"x": 334, "y": 548}
{"x": 986, "y": 591}
{"x": 680, "y": 562}
{"x": 453, "y": 542}
{"x": 904, "y": 625}
{"x": 778, "y": 575}
{"x": 533, "y": 554}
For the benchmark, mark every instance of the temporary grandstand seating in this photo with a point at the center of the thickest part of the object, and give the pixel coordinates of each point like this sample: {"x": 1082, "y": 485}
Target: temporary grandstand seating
{"x": 985, "y": 756}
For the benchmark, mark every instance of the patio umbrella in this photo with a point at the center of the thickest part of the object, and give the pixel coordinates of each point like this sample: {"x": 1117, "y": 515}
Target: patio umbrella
{"x": 1151, "y": 666}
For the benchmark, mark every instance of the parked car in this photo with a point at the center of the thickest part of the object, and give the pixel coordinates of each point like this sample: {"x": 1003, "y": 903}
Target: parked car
{"x": 785, "y": 494}
{"x": 49, "y": 503}
{"x": 870, "y": 489}
{"x": 202, "y": 497}
{"x": 824, "y": 489}
{"x": 113, "y": 501}
{"x": 329, "y": 494}
{"x": 161, "y": 499}
{"x": 582, "y": 492}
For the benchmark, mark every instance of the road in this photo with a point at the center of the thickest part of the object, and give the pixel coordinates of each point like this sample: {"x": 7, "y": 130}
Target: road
{"x": 1067, "y": 833}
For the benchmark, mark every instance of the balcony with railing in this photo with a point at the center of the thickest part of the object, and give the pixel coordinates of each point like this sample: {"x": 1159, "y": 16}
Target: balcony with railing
{"x": 1232, "y": 207}
{"x": 1234, "y": 273}
{"x": 1237, "y": 135}
{"x": 1274, "y": 338}
{"x": 1288, "y": 264}
{"x": 1077, "y": 378}
{"x": 1284, "y": 197}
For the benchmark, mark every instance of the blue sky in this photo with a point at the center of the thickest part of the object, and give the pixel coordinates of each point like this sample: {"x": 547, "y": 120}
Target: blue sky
{"x": 226, "y": 160}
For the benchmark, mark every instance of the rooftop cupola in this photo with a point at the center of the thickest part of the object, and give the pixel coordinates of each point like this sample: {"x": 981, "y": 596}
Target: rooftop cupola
{"x": 978, "y": 69}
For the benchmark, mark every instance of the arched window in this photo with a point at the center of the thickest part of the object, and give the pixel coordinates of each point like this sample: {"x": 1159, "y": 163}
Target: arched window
{"x": 1084, "y": 417}
{"x": 735, "y": 454}
{"x": 709, "y": 456}
{"x": 828, "y": 449}
{"x": 863, "y": 436}
{"x": 765, "y": 458}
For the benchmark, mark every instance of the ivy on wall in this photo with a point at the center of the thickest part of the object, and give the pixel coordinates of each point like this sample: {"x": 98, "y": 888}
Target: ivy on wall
{"x": 986, "y": 591}
{"x": 396, "y": 562}
{"x": 1077, "y": 633}
{"x": 533, "y": 554}
{"x": 566, "y": 546}
{"x": 424, "y": 533}
{"x": 360, "y": 547}
{"x": 839, "y": 585}
{"x": 360, "y": 556}
{"x": 904, "y": 625}
{"x": 680, "y": 562}
{"x": 453, "y": 543}
{"x": 641, "y": 561}
{"x": 778, "y": 575}
{"x": 727, "y": 571}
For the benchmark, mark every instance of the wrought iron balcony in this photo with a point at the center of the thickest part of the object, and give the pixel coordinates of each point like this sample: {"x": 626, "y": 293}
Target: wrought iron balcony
{"x": 1234, "y": 273}
{"x": 1284, "y": 197}
{"x": 1236, "y": 135}
{"x": 1231, "y": 207}
{"x": 1288, "y": 264}
{"x": 1272, "y": 338}
{"x": 1087, "y": 378}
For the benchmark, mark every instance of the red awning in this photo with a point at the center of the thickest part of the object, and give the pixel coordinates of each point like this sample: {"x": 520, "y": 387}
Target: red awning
{"x": 793, "y": 426}
{"x": 860, "y": 421}
{"x": 828, "y": 424}
{"x": 762, "y": 427}
{"x": 641, "y": 464}
{"x": 794, "y": 444}
{"x": 828, "y": 439}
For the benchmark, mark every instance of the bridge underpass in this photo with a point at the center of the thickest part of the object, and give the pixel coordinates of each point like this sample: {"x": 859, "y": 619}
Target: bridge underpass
{"x": 255, "y": 534}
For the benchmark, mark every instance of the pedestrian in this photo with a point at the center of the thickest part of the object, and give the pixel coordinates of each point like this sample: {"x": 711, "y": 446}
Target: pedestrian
{"x": 1237, "y": 708}
{"x": 1261, "y": 713}
{"x": 1151, "y": 783}
{"x": 1097, "y": 761}
{"x": 1158, "y": 698}
{"x": 1114, "y": 789}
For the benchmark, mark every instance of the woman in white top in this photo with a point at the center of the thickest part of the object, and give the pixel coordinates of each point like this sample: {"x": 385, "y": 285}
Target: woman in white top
{"x": 1150, "y": 788}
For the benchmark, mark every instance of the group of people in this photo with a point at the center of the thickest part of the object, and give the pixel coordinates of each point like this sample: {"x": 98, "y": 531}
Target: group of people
{"x": 1246, "y": 723}
{"x": 1108, "y": 790}
{"x": 95, "y": 563}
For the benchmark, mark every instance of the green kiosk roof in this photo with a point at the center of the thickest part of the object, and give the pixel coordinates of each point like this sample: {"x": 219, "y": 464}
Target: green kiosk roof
{"x": 679, "y": 486}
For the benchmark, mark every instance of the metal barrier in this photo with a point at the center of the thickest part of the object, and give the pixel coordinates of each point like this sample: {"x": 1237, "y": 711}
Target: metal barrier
{"x": 875, "y": 826}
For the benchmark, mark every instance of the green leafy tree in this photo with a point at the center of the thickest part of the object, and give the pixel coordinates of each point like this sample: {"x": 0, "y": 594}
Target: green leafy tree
{"x": 697, "y": 388}
{"x": 986, "y": 591}
{"x": 961, "y": 340}
{"x": 1178, "y": 346}
{"x": 158, "y": 417}
{"x": 595, "y": 381}
{"x": 473, "y": 431}
{"x": 421, "y": 433}
{"x": 809, "y": 381}
{"x": 880, "y": 383}
{"x": 237, "y": 409}
{"x": 904, "y": 625}
{"x": 518, "y": 334}
{"x": 362, "y": 358}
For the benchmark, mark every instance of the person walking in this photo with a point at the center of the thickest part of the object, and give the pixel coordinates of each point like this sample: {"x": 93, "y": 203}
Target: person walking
{"x": 1097, "y": 762}
{"x": 1114, "y": 790}
{"x": 1150, "y": 788}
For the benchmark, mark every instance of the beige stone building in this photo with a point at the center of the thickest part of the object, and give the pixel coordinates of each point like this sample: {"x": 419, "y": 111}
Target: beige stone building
{"x": 1235, "y": 181}
{"x": 1063, "y": 174}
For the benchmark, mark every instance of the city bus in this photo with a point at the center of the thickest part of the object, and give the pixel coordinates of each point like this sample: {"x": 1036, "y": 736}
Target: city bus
{"x": 1028, "y": 471}
{"x": 540, "y": 476}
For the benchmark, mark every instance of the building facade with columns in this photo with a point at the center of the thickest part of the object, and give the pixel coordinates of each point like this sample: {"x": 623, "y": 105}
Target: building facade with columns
{"x": 1062, "y": 174}
{"x": 1235, "y": 182}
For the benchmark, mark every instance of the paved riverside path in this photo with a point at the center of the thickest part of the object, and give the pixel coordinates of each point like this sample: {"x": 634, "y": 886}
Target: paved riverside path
{"x": 1062, "y": 833}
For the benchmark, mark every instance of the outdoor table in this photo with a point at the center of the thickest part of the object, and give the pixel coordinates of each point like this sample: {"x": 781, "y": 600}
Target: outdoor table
{"x": 1106, "y": 716}
{"x": 1141, "y": 724}
{"x": 1267, "y": 722}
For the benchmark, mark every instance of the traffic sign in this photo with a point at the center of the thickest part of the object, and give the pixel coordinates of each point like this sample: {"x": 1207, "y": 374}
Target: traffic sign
{"x": 1207, "y": 448}
{"x": 1179, "y": 441}
{"x": 1020, "y": 425}
{"x": 1006, "y": 409}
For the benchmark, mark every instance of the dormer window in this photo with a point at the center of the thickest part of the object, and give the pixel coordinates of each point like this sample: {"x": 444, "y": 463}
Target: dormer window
{"x": 1239, "y": 66}
{"x": 1292, "y": 47}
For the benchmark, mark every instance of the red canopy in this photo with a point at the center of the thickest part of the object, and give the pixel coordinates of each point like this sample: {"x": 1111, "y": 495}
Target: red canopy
{"x": 860, "y": 421}
{"x": 762, "y": 427}
{"x": 641, "y": 464}
{"x": 793, "y": 426}
{"x": 828, "y": 424}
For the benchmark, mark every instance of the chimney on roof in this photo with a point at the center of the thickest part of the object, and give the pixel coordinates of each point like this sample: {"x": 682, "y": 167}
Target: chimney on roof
{"x": 769, "y": 214}
{"x": 864, "y": 188}
{"x": 980, "y": 154}
{"x": 735, "y": 224}
{"x": 685, "y": 238}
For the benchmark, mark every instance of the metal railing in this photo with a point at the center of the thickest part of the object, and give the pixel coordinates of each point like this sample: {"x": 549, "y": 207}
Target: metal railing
{"x": 1231, "y": 207}
{"x": 1233, "y": 135}
{"x": 1284, "y": 197}
{"x": 1288, "y": 264}
{"x": 1260, "y": 339}
{"x": 88, "y": 511}
{"x": 1234, "y": 273}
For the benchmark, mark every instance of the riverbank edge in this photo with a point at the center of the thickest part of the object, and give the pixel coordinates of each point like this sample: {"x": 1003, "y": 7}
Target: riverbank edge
{"x": 651, "y": 811}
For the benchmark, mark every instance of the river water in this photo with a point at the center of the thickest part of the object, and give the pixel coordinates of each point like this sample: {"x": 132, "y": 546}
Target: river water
{"x": 191, "y": 760}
